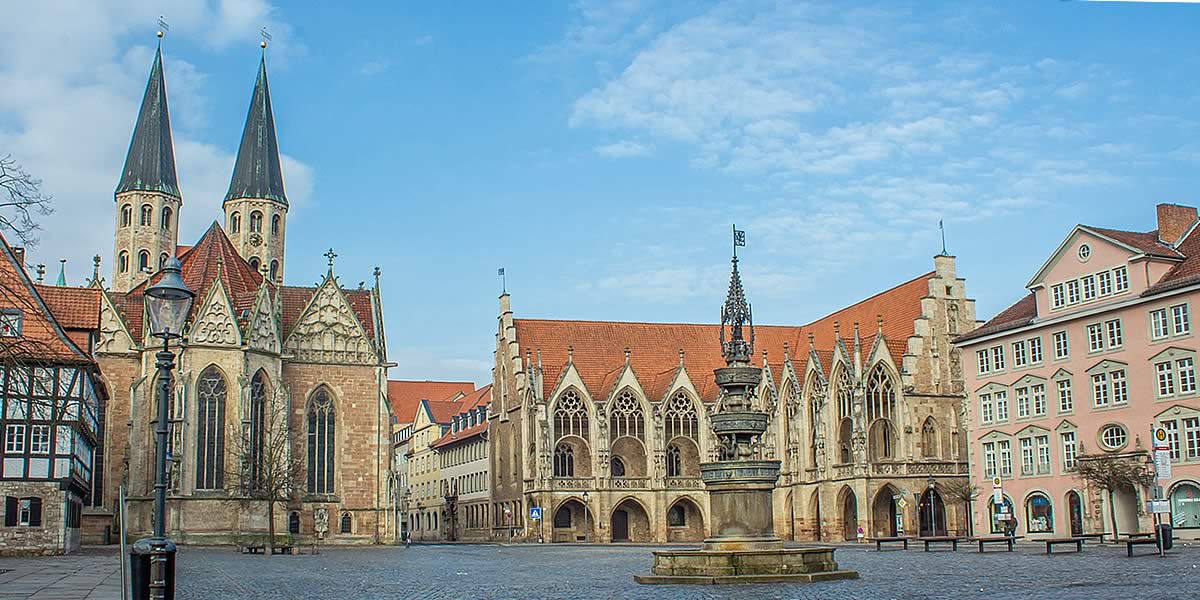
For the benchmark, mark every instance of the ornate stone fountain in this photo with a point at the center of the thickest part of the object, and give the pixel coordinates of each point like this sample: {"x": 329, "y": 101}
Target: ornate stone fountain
{"x": 743, "y": 547}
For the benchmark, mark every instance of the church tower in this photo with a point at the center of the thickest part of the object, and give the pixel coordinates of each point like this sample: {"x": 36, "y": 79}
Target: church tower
{"x": 256, "y": 206}
{"x": 147, "y": 197}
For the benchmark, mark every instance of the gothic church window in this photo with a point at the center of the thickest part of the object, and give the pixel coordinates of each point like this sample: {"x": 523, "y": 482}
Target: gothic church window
{"x": 274, "y": 270}
{"x": 258, "y": 400}
{"x": 123, "y": 262}
{"x": 147, "y": 214}
{"x": 929, "y": 441}
{"x": 210, "y": 441}
{"x": 881, "y": 397}
{"x": 126, "y": 215}
{"x": 293, "y": 522}
{"x": 256, "y": 222}
{"x": 626, "y": 418}
{"x": 254, "y": 264}
{"x": 845, "y": 406}
{"x": 143, "y": 261}
{"x": 674, "y": 461}
{"x": 347, "y": 524}
{"x": 570, "y": 416}
{"x": 235, "y": 222}
{"x": 679, "y": 420}
{"x": 165, "y": 222}
{"x": 564, "y": 461}
{"x": 617, "y": 466}
{"x": 275, "y": 220}
{"x": 320, "y": 443}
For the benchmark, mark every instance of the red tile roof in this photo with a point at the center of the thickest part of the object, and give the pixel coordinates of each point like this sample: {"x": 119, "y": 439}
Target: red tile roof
{"x": 599, "y": 346}
{"x": 452, "y": 437}
{"x": 73, "y": 307}
{"x": 200, "y": 272}
{"x": 1184, "y": 273}
{"x": 441, "y": 412}
{"x": 41, "y": 336}
{"x": 1021, "y": 313}
{"x": 406, "y": 396}
{"x": 1145, "y": 242}
{"x": 478, "y": 398}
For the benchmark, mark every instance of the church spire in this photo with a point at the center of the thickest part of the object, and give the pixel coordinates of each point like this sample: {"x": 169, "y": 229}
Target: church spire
{"x": 257, "y": 174}
{"x": 736, "y": 314}
{"x": 150, "y": 163}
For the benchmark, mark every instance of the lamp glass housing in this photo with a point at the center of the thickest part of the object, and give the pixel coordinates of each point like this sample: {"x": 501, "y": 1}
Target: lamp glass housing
{"x": 168, "y": 302}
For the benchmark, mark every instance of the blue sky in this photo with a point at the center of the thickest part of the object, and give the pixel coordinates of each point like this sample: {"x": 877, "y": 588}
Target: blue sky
{"x": 600, "y": 151}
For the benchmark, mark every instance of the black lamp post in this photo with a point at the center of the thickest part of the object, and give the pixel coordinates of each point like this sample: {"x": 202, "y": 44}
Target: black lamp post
{"x": 587, "y": 514}
{"x": 932, "y": 520}
{"x": 167, "y": 305}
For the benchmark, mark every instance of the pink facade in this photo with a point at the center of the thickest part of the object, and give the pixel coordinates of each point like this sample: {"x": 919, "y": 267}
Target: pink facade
{"x": 1101, "y": 350}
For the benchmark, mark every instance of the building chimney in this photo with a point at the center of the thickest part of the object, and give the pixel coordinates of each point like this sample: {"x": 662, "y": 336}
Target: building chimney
{"x": 19, "y": 254}
{"x": 1174, "y": 221}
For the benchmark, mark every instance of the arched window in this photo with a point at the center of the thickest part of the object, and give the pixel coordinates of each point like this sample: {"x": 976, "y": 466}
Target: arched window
{"x": 617, "y": 466}
{"x": 813, "y": 413}
{"x": 254, "y": 263}
{"x": 256, "y": 220}
{"x": 258, "y": 403}
{"x": 235, "y": 222}
{"x": 320, "y": 443}
{"x": 126, "y": 215}
{"x": 570, "y": 416}
{"x": 679, "y": 419}
{"x": 929, "y": 439}
{"x": 165, "y": 222}
{"x": 293, "y": 522}
{"x": 143, "y": 261}
{"x": 275, "y": 222}
{"x": 564, "y": 461}
{"x": 674, "y": 461}
{"x": 347, "y": 525}
{"x": 123, "y": 262}
{"x": 147, "y": 214}
{"x": 1039, "y": 514}
{"x": 626, "y": 417}
{"x": 882, "y": 440}
{"x": 274, "y": 270}
{"x": 845, "y": 430}
{"x": 162, "y": 260}
{"x": 210, "y": 436}
{"x": 881, "y": 398}
{"x": 844, "y": 393}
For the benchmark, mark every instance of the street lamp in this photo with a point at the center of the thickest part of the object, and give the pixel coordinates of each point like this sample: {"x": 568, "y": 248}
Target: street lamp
{"x": 405, "y": 532}
{"x": 932, "y": 522}
{"x": 587, "y": 514}
{"x": 167, "y": 305}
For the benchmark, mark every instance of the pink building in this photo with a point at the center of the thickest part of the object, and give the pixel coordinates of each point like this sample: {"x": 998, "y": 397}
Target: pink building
{"x": 1100, "y": 350}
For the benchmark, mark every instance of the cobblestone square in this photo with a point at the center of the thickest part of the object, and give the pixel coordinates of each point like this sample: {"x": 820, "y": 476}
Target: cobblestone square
{"x": 606, "y": 572}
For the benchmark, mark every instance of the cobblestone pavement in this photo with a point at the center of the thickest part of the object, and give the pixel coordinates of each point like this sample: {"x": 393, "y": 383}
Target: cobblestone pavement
{"x": 429, "y": 572}
{"x": 91, "y": 574}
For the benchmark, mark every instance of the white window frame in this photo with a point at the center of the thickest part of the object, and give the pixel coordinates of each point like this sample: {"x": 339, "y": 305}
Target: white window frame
{"x": 14, "y": 438}
{"x": 1070, "y": 447}
{"x": 1113, "y": 427}
{"x": 985, "y": 361}
{"x": 1120, "y": 279}
{"x": 1160, "y": 325}
{"x": 998, "y": 358}
{"x": 989, "y": 459}
{"x": 1006, "y": 462}
{"x": 1104, "y": 283}
{"x": 1020, "y": 358}
{"x": 1191, "y": 436}
{"x": 1027, "y": 459}
{"x": 1073, "y": 291}
{"x": 1095, "y": 335}
{"x": 1089, "y": 287}
{"x": 1038, "y": 392}
{"x": 1042, "y": 443}
{"x": 1058, "y": 296}
{"x": 1100, "y": 392}
{"x": 1180, "y": 319}
{"x": 1120, "y": 386}
{"x": 1023, "y": 408}
{"x": 1171, "y": 426}
{"x": 1062, "y": 345}
{"x": 1164, "y": 375}
{"x": 1066, "y": 396}
{"x": 1185, "y": 375}
{"x": 39, "y": 439}
{"x": 987, "y": 409}
{"x": 1115, "y": 336}
{"x": 1035, "y": 350}
{"x": 1001, "y": 399}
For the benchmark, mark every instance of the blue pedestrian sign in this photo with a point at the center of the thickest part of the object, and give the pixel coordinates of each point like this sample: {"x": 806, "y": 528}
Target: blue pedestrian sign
{"x": 535, "y": 512}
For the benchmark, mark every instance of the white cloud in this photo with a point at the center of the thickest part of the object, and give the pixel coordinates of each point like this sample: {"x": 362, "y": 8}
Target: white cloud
{"x": 624, "y": 149}
{"x": 374, "y": 67}
{"x": 71, "y": 99}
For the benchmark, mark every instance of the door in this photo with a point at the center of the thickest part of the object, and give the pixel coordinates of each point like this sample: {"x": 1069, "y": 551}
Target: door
{"x": 620, "y": 526}
{"x": 850, "y": 517}
{"x": 1076, "y": 508}
{"x": 932, "y": 514}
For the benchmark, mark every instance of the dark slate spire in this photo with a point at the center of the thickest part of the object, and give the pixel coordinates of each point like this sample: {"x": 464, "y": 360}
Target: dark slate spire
{"x": 736, "y": 314}
{"x": 150, "y": 164}
{"x": 256, "y": 174}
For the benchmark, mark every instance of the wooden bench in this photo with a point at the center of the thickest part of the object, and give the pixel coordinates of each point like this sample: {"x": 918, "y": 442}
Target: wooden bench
{"x": 285, "y": 549}
{"x": 942, "y": 539}
{"x": 1130, "y": 542}
{"x": 1052, "y": 542}
{"x": 880, "y": 541}
{"x": 253, "y": 549}
{"x": 995, "y": 539}
{"x": 1093, "y": 536}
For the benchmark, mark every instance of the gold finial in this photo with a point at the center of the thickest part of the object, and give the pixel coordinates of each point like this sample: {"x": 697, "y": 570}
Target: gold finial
{"x": 266, "y": 37}
{"x": 263, "y": 44}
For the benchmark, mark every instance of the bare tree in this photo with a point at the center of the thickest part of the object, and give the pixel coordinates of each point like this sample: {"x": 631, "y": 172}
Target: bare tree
{"x": 964, "y": 492}
{"x": 21, "y": 201}
{"x": 266, "y": 469}
{"x": 1112, "y": 472}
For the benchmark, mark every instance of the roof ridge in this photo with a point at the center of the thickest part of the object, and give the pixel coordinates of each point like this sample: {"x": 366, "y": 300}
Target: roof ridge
{"x": 925, "y": 277}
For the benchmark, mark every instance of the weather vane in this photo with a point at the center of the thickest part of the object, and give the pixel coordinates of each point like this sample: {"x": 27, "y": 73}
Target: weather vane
{"x": 162, "y": 27}
{"x": 266, "y": 37}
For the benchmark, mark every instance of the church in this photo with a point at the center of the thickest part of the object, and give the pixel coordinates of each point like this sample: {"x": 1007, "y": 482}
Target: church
{"x": 254, "y": 347}
{"x": 603, "y": 425}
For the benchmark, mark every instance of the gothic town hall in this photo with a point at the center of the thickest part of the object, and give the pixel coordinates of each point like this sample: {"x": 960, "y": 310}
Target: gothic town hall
{"x": 254, "y": 347}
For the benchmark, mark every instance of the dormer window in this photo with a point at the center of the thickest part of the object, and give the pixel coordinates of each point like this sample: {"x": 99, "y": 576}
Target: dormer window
{"x": 10, "y": 322}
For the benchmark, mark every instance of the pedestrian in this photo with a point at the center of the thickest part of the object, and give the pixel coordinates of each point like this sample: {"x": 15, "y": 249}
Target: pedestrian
{"x": 407, "y": 540}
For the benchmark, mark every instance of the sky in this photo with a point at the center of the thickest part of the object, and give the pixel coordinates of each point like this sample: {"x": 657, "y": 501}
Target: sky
{"x": 601, "y": 151}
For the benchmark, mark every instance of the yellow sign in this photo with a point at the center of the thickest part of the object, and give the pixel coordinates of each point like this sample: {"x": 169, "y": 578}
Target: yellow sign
{"x": 995, "y": 482}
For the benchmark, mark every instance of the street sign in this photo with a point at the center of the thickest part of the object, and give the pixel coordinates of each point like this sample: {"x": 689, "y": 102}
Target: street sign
{"x": 996, "y": 482}
{"x": 1158, "y": 506}
{"x": 902, "y": 503}
{"x": 1162, "y": 462}
{"x": 535, "y": 512}
{"x": 1160, "y": 439}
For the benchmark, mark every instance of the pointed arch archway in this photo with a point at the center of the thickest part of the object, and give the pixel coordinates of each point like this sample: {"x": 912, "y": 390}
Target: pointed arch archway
{"x": 884, "y": 512}
{"x": 931, "y": 514}
{"x": 629, "y": 522}
{"x": 572, "y": 522}
{"x": 814, "y": 516}
{"x": 848, "y": 502}
{"x": 627, "y": 435}
{"x": 685, "y": 521}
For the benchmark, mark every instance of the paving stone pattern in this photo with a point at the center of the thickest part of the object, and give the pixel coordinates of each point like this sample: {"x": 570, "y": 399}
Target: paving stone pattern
{"x": 552, "y": 572}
